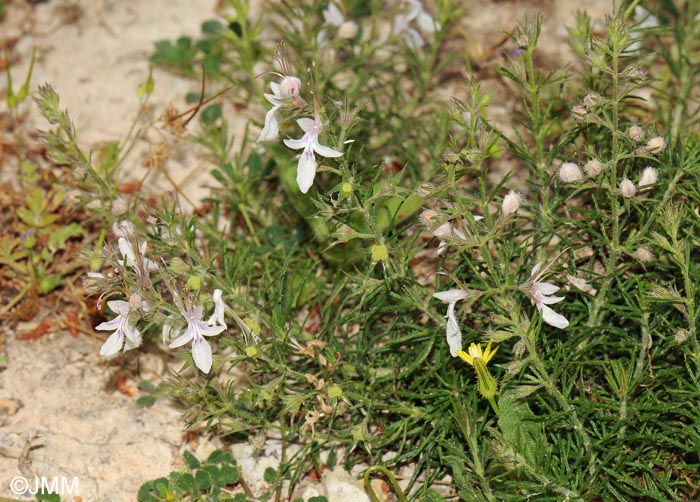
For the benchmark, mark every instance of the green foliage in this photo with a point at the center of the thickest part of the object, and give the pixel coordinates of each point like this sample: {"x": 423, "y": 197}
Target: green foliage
{"x": 208, "y": 481}
{"x": 330, "y": 290}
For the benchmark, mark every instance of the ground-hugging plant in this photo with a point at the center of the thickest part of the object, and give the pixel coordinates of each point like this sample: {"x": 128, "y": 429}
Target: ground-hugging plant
{"x": 559, "y": 372}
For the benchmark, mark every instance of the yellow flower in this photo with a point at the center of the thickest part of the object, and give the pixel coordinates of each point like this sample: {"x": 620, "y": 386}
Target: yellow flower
{"x": 488, "y": 387}
{"x": 476, "y": 353}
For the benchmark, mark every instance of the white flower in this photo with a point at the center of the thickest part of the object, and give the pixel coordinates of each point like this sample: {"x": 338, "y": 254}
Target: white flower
{"x": 125, "y": 334}
{"x": 219, "y": 308}
{"x": 306, "y": 169}
{"x": 132, "y": 260}
{"x": 332, "y": 16}
{"x": 288, "y": 88}
{"x": 412, "y": 10}
{"x": 196, "y": 331}
{"x": 540, "y": 295}
{"x": 454, "y": 335}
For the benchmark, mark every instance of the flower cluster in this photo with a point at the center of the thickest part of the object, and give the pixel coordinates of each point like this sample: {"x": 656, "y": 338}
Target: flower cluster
{"x": 126, "y": 335}
{"x": 287, "y": 93}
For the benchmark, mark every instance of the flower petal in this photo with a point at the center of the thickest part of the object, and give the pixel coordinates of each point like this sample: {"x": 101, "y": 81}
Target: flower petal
{"x": 454, "y": 335}
{"x": 544, "y": 288}
{"x": 306, "y": 124}
{"x": 552, "y": 318}
{"x": 297, "y": 144}
{"x": 201, "y": 353}
{"x": 112, "y": 345}
{"x": 325, "y": 151}
{"x": 183, "y": 339}
{"x": 306, "y": 170}
{"x": 127, "y": 251}
{"x": 119, "y": 306}
{"x": 451, "y": 295}
{"x": 133, "y": 339}
{"x": 110, "y": 325}
{"x": 271, "y": 127}
{"x": 549, "y": 300}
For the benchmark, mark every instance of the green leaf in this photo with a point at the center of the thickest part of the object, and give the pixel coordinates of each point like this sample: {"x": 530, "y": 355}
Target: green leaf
{"x": 203, "y": 480}
{"x": 211, "y": 114}
{"x": 270, "y": 475}
{"x": 228, "y": 475}
{"x": 58, "y": 238}
{"x": 431, "y": 495}
{"x": 191, "y": 460}
{"x": 147, "y": 386}
{"x": 212, "y": 27}
{"x": 186, "y": 482}
{"x": 146, "y": 401}
{"x": 519, "y": 429}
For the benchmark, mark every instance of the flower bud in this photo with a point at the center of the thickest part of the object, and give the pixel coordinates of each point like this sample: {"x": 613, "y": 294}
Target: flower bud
{"x": 428, "y": 218}
{"x": 591, "y": 100}
{"x": 379, "y": 252}
{"x": 135, "y": 301}
{"x": 644, "y": 254}
{"x": 649, "y": 177}
{"x": 655, "y": 145}
{"x": 290, "y": 86}
{"x": 119, "y": 206}
{"x": 635, "y": 133}
{"x": 346, "y": 189}
{"x": 681, "y": 336}
{"x": 579, "y": 112}
{"x": 194, "y": 283}
{"x": 627, "y": 188}
{"x": 124, "y": 228}
{"x": 511, "y": 204}
{"x": 570, "y": 172}
{"x": 593, "y": 167}
{"x": 347, "y": 30}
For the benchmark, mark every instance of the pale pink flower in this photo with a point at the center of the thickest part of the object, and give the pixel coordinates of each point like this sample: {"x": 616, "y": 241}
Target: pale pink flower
{"x": 306, "y": 169}
{"x": 540, "y": 294}
{"x": 126, "y": 335}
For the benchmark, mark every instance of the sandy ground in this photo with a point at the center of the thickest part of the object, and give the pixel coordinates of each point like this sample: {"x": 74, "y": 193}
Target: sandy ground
{"x": 58, "y": 416}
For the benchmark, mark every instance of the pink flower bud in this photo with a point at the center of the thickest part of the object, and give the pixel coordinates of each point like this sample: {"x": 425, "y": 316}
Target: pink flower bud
{"x": 635, "y": 133}
{"x": 655, "y": 145}
{"x": 347, "y": 30}
{"x": 579, "y": 112}
{"x": 649, "y": 177}
{"x": 593, "y": 167}
{"x": 627, "y": 188}
{"x": 570, "y": 172}
{"x": 290, "y": 86}
{"x": 644, "y": 254}
{"x": 591, "y": 100}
